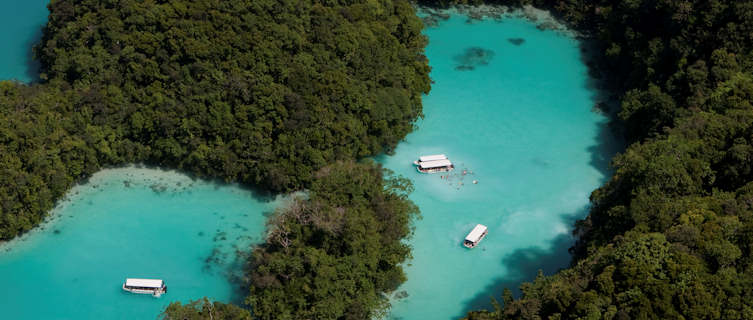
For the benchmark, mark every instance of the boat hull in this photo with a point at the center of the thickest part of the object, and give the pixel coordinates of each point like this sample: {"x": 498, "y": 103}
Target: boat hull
{"x": 155, "y": 292}
{"x": 435, "y": 170}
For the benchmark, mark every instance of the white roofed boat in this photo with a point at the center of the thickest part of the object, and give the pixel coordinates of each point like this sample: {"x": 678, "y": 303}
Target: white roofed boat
{"x": 155, "y": 287}
{"x": 433, "y": 163}
{"x": 475, "y": 236}
{"x": 432, "y": 157}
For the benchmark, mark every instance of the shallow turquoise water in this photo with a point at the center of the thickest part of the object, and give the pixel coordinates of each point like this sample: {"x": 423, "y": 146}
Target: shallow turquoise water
{"x": 130, "y": 223}
{"x": 22, "y": 23}
{"x": 522, "y": 126}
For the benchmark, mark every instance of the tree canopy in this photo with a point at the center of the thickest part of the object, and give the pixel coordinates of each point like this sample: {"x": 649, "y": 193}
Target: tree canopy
{"x": 204, "y": 309}
{"x": 334, "y": 254}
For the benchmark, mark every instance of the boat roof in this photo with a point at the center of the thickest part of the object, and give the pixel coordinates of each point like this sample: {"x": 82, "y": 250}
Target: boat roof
{"x": 435, "y": 164}
{"x": 476, "y": 233}
{"x": 149, "y": 283}
{"x": 432, "y": 157}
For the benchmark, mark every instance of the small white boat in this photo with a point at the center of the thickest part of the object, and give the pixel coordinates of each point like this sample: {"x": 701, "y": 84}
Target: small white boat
{"x": 433, "y": 163}
{"x": 475, "y": 236}
{"x": 155, "y": 287}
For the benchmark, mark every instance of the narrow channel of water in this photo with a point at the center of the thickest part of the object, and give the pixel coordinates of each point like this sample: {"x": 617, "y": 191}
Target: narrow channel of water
{"x": 131, "y": 222}
{"x": 511, "y": 107}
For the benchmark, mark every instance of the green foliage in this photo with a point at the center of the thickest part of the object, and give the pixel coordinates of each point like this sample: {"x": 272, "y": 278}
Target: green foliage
{"x": 203, "y": 309}
{"x": 334, "y": 254}
{"x": 43, "y": 151}
{"x": 262, "y": 92}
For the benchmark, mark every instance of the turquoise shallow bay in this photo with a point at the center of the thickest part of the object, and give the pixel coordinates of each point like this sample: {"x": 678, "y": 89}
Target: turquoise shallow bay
{"x": 523, "y": 125}
{"x": 137, "y": 223}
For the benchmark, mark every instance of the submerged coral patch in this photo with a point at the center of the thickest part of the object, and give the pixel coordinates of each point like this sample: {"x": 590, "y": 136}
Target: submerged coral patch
{"x": 516, "y": 41}
{"x": 473, "y": 57}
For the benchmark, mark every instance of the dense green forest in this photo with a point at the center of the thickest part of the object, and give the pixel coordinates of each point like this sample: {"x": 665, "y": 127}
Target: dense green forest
{"x": 204, "y": 309}
{"x": 332, "y": 255}
{"x": 281, "y": 95}
{"x": 670, "y": 235}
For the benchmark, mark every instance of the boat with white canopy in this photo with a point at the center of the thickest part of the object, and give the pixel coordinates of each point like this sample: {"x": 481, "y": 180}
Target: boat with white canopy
{"x": 155, "y": 287}
{"x": 433, "y": 163}
{"x": 475, "y": 236}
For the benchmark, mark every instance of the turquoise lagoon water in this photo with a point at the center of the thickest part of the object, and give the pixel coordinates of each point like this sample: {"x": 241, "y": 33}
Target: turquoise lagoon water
{"x": 131, "y": 222}
{"x": 22, "y": 23}
{"x": 516, "y": 116}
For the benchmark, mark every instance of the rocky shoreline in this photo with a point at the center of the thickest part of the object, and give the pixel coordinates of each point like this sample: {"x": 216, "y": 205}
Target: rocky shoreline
{"x": 433, "y": 17}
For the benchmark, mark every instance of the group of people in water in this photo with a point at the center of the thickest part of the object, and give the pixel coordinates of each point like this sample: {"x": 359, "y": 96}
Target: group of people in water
{"x": 451, "y": 176}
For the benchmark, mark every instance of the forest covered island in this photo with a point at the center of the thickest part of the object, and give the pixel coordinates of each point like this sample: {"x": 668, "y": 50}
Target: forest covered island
{"x": 285, "y": 95}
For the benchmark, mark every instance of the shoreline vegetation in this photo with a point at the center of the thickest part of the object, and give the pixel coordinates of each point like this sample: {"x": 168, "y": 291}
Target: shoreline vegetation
{"x": 138, "y": 175}
{"x": 333, "y": 252}
{"x": 433, "y": 16}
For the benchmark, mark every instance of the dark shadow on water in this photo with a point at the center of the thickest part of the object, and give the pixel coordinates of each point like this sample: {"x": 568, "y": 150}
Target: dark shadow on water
{"x": 604, "y": 100}
{"x": 32, "y": 65}
{"x": 257, "y": 193}
{"x": 608, "y": 144}
{"x": 516, "y": 41}
{"x": 523, "y": 265}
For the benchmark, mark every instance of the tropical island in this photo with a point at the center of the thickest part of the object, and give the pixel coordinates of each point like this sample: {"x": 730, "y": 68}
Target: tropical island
{"x": 293, "y": 95}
